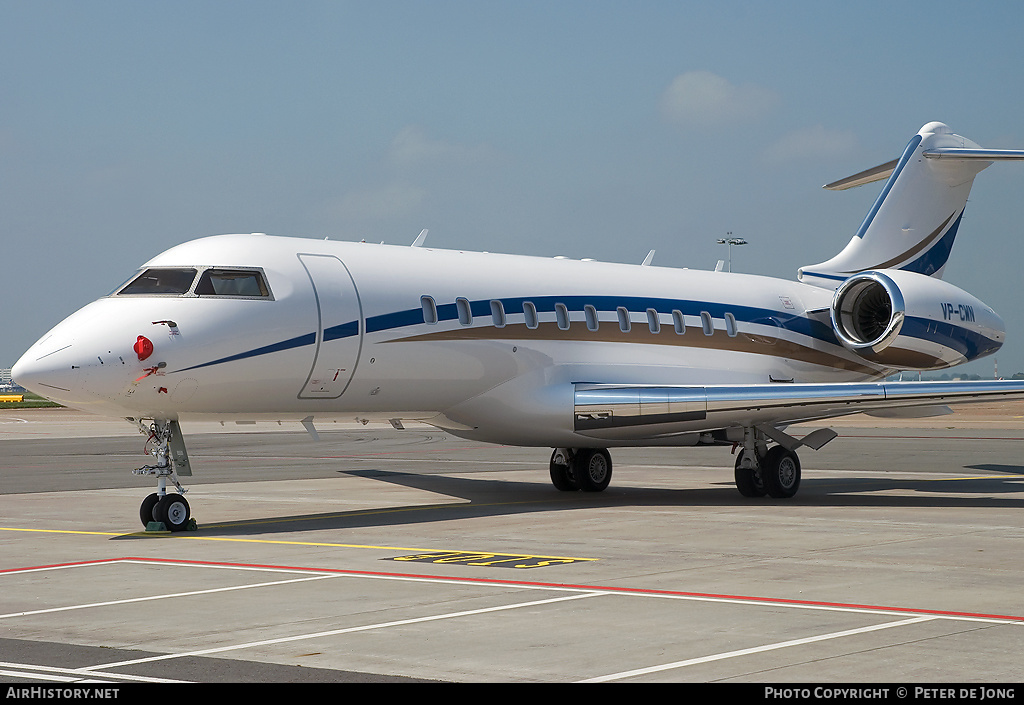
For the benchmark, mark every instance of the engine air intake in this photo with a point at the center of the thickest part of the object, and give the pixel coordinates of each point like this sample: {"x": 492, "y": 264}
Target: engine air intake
{"x": 867, "y": 312}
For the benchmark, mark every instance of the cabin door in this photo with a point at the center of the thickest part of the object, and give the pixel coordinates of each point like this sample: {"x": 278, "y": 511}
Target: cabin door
{"x": 339, "y": 329}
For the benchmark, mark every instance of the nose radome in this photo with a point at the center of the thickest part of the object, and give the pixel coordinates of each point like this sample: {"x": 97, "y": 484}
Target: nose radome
{"x": 48, "y": 371}
{"x": 21, "y": 374}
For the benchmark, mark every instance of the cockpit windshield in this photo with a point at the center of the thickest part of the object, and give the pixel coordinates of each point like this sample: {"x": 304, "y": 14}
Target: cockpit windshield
{"x": 231, "y": 282}
{"x": 161, "y": 281}
{"x": 212, "y": 281}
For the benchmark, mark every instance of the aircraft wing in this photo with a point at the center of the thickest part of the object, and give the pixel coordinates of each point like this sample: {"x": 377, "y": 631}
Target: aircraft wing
{"x": 636, "y": 412}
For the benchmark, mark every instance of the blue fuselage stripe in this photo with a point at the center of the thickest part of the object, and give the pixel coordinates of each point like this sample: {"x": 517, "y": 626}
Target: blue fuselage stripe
{"x": 297, "y": 342}
{"x": 966, "y": 342}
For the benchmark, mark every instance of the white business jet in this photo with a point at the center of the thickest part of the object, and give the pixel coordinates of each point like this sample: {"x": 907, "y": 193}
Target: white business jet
{"x": 578, "y": 356}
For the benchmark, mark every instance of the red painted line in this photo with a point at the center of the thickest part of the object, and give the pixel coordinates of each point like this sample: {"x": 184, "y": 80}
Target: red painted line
{"x": 537, "y": 584}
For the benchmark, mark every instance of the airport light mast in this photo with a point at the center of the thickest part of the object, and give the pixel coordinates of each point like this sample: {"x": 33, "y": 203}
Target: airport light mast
{"x": 730, "y": 241}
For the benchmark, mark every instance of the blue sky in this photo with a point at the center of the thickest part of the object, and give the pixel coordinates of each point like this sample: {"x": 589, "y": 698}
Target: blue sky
{"x": 586, "y": 129}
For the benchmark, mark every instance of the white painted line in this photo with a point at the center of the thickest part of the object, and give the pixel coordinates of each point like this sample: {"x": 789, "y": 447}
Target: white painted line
{"x": 129, "y": 600}
{"x": 754, "y": 650}
{"x": 38, "y": 676}
{"x": 43, "y": 569}
{"x": 815, "y": 606}
{"x": 346, "y": 630}
{"x": 77, "y": 675}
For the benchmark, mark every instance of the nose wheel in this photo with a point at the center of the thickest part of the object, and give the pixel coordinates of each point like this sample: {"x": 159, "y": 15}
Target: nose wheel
{"x": 172, "y": 510}
{"x": 169, "y": 509}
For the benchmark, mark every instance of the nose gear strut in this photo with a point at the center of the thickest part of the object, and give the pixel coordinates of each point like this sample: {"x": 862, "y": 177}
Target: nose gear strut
{"x": 168, "y": 446}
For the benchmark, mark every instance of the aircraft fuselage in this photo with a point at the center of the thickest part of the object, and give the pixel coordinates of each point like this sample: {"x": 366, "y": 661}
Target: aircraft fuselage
{"x": 378, "y": 332}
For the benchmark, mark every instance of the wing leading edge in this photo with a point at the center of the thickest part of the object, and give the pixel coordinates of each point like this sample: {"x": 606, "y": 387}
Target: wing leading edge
{"x": 631, "y": 412}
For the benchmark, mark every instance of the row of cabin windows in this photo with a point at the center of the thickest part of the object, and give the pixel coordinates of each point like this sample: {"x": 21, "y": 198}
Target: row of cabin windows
{"x": 532, "y": 320}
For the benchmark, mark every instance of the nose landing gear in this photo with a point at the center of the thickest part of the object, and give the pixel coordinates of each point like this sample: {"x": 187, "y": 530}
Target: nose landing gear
{"x": 170, "y": 510}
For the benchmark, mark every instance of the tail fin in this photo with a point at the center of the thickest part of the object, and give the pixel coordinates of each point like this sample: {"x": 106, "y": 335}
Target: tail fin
{"x": 915, "y": 219}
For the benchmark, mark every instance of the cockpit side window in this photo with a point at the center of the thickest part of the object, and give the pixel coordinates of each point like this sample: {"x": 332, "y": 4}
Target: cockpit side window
{"x": 161, "y": 281}
{"x": 232, "y": 282}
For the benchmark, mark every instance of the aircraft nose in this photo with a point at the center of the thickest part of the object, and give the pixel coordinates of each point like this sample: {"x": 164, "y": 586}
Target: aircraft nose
{"x": 48, "y": 370}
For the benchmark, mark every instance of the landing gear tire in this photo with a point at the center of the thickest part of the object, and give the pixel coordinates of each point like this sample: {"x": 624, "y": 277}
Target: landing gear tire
{"x": 780, "y": 472}
{"x": 561, "y": 473}
{"x": 748, "y": 480}
{"x": 592, "y": 468}
{"x": 173, "y": 511}
{"x": 146, "y": 510}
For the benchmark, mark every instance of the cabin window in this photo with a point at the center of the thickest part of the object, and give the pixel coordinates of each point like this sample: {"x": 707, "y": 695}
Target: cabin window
{"x": 232, "y": 282}
{"x": 679, "y": 322}
{"x": 429, "y": 309}
{"x": 562, "y": 316}
{"x": 465, "y": 314}
{"x": 530, "y": 315}
{"x": 497, "y": 314}
{"x": 653, "y": 323}
{"x": 591, "y": 314}
{"x": 707, "y": 323}
{"x": 161, "y": 281}
{"x": 730, "y": 325}
{"x": 623, "y": 319}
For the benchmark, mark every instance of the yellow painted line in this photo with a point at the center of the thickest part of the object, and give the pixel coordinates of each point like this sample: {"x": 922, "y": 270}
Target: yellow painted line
{"x": 259, "y": 522}
{"x": 318, "y": 544}
{"x": 185, "y": 535}
{"x": 489, "y": 559}
{"x": 60, "y": 531}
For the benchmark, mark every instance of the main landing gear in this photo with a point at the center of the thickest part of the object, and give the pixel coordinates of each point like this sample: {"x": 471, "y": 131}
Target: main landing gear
{"x": 587, "y": 469}
{"x": 166, "y": 443}
{"x": 764, "y": 471}
{"x": 776, "y": 474}
{"x": 759, "y": 470}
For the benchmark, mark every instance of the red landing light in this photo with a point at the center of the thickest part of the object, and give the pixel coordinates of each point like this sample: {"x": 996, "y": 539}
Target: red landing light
{"x": 143, "y": 347}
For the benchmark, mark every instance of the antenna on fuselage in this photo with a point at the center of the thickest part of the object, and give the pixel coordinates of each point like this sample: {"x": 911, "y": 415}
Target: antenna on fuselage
{"x": 420, "y": 238}
{"x": 647, "y": 259}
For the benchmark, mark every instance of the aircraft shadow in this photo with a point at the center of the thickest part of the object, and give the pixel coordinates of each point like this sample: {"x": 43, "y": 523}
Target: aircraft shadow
{"x": 497, "y": 497}
{"x": 994, "y": 467}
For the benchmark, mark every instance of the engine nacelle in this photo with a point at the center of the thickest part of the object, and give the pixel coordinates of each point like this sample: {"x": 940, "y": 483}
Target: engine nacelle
{"x": 911, "y": 321}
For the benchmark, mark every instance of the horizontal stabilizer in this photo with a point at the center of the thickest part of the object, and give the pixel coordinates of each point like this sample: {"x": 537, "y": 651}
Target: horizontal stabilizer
{"x": 984, "y": 155}
{"x": 877, "y": 173}
{"x": 883, "y": 171}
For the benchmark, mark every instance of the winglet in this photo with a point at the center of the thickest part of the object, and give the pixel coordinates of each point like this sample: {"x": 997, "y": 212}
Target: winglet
{"x": 420, "y": 238}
